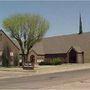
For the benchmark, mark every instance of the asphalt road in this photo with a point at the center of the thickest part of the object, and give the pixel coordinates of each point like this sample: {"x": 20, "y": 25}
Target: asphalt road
{"x": 43, "y": 81}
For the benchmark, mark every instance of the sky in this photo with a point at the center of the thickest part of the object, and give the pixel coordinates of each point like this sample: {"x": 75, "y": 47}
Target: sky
{"x": 63, "y": 16}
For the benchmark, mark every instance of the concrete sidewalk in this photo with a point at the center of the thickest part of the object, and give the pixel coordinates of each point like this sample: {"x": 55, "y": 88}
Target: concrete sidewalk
{"x": 19, "y": 72}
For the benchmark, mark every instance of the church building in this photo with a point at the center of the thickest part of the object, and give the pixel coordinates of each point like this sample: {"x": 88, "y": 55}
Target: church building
{"x": 74, "y": 48}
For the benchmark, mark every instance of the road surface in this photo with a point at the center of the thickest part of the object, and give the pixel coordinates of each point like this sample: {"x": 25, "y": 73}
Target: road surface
{"x": 40, "y": 82}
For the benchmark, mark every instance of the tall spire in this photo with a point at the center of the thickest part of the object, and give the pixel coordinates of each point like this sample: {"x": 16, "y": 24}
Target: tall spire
{"x": 80, "y": 25}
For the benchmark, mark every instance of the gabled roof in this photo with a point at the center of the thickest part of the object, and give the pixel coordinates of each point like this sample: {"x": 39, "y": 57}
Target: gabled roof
{"x": 38, "y": 48}
{"x": 77, "y": 49}
{"x": 9, "y": 39}
{"x": 61, "y": 44}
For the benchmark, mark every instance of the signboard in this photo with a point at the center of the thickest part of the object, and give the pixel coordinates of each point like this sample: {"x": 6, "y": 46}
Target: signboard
{"x": 28, "y": 66}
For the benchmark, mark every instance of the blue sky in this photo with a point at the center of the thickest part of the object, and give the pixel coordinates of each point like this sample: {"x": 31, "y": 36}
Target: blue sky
{"x": 63, "y": 16}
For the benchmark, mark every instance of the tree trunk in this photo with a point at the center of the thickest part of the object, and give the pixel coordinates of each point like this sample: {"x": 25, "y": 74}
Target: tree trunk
{"x": 24, "y": 59}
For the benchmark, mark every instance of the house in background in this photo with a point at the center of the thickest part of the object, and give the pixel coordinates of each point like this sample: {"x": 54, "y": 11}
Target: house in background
{"x": 4, "y": 42}
{"x": 74, "y": 48}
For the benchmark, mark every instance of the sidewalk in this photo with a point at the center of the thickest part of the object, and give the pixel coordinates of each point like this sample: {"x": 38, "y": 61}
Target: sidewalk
{"x": 19, "y": 72}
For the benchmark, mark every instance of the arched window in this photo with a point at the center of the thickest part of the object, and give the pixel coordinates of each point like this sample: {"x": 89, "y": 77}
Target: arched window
{"x": 32, "y": 59}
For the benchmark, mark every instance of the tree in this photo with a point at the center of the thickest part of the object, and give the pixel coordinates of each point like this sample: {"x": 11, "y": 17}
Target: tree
{"x": 6, "y": 57}
{"x": 27, "y": 30}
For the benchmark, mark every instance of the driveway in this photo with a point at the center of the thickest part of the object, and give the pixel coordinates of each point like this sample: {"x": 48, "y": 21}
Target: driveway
{"x": 71, "y": 80}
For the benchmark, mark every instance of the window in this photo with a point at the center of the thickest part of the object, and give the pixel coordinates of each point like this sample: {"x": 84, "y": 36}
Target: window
{"x": 11, "y": 53}
{"x": 0, "y": 53}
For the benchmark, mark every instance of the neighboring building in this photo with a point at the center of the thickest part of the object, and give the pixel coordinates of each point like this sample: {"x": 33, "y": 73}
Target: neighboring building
{"x": 5, "y": 41}
{"x": 74, "y": 48}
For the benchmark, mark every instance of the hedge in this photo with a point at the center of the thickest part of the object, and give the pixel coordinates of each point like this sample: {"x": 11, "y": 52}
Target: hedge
{"x": 53, "y": 61}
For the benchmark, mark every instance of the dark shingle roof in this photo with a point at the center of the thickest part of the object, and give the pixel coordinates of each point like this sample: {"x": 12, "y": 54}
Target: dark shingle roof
{"x": 14, "y": 43}
{"x": 61, "y": 44}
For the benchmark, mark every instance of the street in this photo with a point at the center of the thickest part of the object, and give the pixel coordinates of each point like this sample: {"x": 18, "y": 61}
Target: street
{"x": 39, "y": 82}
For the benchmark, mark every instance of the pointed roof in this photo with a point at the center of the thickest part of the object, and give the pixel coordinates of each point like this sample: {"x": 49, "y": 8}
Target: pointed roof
{"x": 80, "y": 25}
{"x": 14, "y": 43}
{"x": 76, "y": 48}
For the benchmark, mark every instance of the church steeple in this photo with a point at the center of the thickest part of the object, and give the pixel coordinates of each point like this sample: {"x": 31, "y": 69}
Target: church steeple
{"x": 80, "y": 25}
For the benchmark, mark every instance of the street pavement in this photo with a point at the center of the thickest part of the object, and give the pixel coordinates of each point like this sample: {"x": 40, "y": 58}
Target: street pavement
{"x": 53, "y": 81}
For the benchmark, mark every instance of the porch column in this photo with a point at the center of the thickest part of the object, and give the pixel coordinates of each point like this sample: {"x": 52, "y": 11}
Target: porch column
{"x": 67, "y": 59}
{"x": 80, "y": 57}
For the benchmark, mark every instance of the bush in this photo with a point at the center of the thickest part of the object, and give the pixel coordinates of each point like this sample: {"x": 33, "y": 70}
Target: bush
{"x": 6, "y": 57}
{"x": 54, "y": 61}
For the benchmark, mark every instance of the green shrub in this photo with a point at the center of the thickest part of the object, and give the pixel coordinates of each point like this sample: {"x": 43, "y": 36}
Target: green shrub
{"x": 42, "y": 63}
{"x": 53, "y": 61}
{"x": 56, "y": 61}
{"x": 6, "y": 57}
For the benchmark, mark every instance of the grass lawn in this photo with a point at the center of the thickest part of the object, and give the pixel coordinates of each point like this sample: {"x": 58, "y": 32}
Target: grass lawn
{"x": 14, "y": 69}
{"x": 48, "y": 68}
{"x": 19, "y": 72}
{"x": 63, "y": 67}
